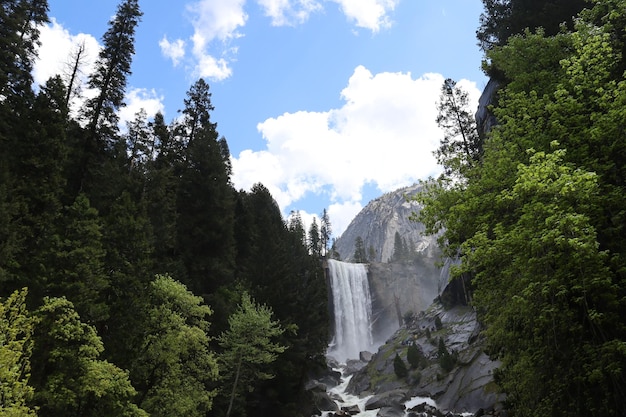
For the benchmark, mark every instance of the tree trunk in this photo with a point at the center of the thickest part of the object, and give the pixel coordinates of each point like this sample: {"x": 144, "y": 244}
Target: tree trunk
{"x": 232, "y": 394}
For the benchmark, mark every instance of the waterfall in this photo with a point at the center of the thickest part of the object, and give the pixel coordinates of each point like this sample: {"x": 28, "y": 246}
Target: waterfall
{"x": 352, "y": 310}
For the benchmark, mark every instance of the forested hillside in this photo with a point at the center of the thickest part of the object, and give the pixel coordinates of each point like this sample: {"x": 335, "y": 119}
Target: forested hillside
{"x": 134, "y": 279}
{"x": 537, "y": 210}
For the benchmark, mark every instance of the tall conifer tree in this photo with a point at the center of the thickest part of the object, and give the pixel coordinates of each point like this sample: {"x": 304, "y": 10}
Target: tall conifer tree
{"x": 205, "y": 197}
{"x": 109, "y": 79}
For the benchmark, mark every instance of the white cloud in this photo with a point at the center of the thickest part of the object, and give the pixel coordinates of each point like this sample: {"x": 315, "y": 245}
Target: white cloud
{"x": 215, "y": 21}
{"x": 369, "y": 14}
{"x": 55, "y": 52}
{"x": 342, "y": 214}
{"x": 173, "y": 50}
{"x": 137, "y": 99}
{"x": 287, "y": 12}
{"x": 55, "y": 57}
{"x": 384, "y": 134}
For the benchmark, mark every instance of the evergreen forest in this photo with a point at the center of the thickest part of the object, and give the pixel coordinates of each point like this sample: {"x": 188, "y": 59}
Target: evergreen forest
{"x": 535, "y": 205}
{"x": 135, "y": 280}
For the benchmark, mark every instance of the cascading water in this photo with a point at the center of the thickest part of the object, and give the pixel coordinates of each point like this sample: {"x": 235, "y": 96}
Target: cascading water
{"x": 352, "y": 310}
{"x": 352, "y": 304}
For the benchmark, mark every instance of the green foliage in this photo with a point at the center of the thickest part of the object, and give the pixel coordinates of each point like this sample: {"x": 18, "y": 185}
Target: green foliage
{"x": 205, "y": 201}
{"x": 326, "y": 231}
{"x": 438, "y": 323}
{"x": 16, "y": 329}
{"x": 112, "y": 70}
{"x": 415, "y": 357}
{"x": 315, "y": 243}
{"x": 502, "y": 19}
{"x": 446, "y": 359}
{"x": 539, "y": 222}
{"x": 68, "y": 376}
{"x": 461, "y": 147}
{"x": 399, "y": 367}
{"x": 88, "y": 217}
{"x": 174, "y": 368}
{"x": 248, "y": 347}
{"x": 360, "y": 255}
{"x": 77, "y": 267}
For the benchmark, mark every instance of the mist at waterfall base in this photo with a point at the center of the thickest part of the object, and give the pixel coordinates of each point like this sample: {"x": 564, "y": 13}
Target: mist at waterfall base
{"x": 352, "y": 310}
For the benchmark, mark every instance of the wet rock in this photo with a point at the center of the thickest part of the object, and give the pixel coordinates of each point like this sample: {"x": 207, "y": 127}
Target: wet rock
{"x": 351, "y": 409}
{"x": 365, "y": 356}
{"x": 390, "y": 412}
{"x": 394, "y": 399}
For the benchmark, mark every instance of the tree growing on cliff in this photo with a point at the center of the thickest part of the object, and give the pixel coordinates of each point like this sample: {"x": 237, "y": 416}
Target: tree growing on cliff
{"x": 360, "y": 255}
{"x": 460, "y": 149}
{"x": 399, "y": 367}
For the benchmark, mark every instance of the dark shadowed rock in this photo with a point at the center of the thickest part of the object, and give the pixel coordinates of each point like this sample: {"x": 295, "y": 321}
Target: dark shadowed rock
{"x": 323, "y": 402}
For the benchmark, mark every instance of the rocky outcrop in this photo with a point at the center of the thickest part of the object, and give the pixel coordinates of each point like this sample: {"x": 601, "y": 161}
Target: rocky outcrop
{"x": 378, "y": 223}
{"x": 485, "y": 119}
{"x": 465, "y": 386}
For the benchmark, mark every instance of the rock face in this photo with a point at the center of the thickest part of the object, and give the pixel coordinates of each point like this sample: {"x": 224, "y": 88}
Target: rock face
{"x": 466, "y": 386}
{"x": 400, "y": 289}
{"x": 378, "y": 223}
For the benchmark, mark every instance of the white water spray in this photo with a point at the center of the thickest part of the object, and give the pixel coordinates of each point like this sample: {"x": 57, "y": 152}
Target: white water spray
{"x": 352, "y": 309}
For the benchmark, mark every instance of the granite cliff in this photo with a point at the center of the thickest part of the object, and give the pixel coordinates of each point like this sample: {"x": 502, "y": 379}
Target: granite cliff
{"x": 378, "y": 222}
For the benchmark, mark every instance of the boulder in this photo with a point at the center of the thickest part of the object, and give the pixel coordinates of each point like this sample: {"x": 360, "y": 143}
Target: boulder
{"x": 394, "y": 399}
{"x": 351, "y": 409}
{"x": 365, "y": 356}
{"x": 323, "y": 402}
{"x": 390, "y": 412}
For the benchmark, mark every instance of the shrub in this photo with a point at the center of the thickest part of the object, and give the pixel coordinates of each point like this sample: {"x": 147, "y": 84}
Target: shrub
{"x": 399, "y": 367}
{"x": 414, "y": 356}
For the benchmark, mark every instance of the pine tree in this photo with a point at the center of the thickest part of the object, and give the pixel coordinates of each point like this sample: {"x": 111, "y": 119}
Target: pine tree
{"x": 248, "y": 346}
{"x": 360, "y": 256}
{"x": 325, "y": 232}
{"x": 112, "y": 71}
{"x": 205, "y": 201}
{"x": 414, "y": 356}
{"x": 399, "y": 367}
{"x": 109, "y": 80}
{"x": 315, "y": 243}
{"x": 20, "y": 21}
{"x": 461, "y": 147}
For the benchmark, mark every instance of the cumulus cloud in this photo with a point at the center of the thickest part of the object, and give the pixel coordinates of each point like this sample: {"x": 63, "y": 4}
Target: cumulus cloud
{"x": 368, "y": 14}
{"x": 173, "y": 50}
{"x": 137, "y": 99}
{"x": 215, "y": 21}
{"x": 289, "y": 13}
{"x": 218, "y": 23}
{"x": 384, "y": 134}
{"x": 55, "y": 54}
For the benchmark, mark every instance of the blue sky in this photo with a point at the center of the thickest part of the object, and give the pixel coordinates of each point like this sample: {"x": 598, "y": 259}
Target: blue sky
{"x": 328, "y": 103}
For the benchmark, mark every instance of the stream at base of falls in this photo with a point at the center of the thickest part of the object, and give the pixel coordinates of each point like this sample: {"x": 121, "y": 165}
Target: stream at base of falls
{"x": 352, "y": 405}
